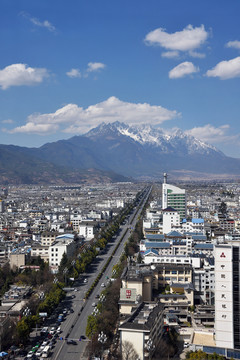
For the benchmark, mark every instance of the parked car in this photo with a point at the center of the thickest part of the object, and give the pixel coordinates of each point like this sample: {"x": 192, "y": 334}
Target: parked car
{"x": 71, "y": 342}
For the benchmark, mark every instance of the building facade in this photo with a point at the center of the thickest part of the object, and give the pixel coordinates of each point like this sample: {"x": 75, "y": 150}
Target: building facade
{"x": 174, "y": 197}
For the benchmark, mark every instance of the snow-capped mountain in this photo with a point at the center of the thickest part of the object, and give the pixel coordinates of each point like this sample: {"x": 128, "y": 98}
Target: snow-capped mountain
{"x": 139, "y": 152}
{"x": 117, "y": 151}
{"x": 150, "y": 136}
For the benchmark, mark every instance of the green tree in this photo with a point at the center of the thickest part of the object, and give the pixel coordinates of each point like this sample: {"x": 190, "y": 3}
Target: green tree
{"x": 92, "y": 326}
{"x": 223, "y": 208}
{"x": 23, "y": 330}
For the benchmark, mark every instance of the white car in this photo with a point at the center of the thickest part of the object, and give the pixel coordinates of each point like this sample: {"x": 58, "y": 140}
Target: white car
{"x": 94, "y": 304}
{"x": 58, "y": 330}
{"x": 102, "y": 285}
{"x": 39, "y": 353}
{"x": 52, "y": 331}
{"x": 85, "y": 280}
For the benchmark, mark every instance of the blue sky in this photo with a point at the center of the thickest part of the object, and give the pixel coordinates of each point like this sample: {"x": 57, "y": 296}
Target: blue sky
{"x": 66, "y": 66}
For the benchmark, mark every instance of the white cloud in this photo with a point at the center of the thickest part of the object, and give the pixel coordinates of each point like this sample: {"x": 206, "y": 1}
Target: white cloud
{"x": 226, "y": 69}
{"x": 170, "y": 54}
{"x": 196, "y": 54}
{"x": 212, "y": 135}
{"x": 74, "y": 119}
{"x": 7, "y": 121}
{"x": 21, "y": 74}
{"x": 74, "y": 73}
{"x": 45, "y": 24}
{"x": 95, "y": 66}
{"x": 33, "y": 128}
{"x": 233, "y": 44}
{"x": 183, "y": 69}
{"x": 188, "y": 39}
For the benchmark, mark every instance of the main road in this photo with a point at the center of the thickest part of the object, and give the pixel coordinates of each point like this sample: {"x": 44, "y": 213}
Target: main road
{"x": 74, "y": 325}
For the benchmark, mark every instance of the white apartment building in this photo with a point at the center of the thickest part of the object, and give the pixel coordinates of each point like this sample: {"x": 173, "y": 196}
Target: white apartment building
{"x": 193, "y": 225}
{"x": 171, "y": 219}
{"x": 64, "y": 244}
{"x": 75, "y": 220}
{"x": 87, "y": 229}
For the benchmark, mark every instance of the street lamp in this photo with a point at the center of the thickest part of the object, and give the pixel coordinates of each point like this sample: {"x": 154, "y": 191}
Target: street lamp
{"x": 102, "y": 338}
{"x": 65, "y": 271}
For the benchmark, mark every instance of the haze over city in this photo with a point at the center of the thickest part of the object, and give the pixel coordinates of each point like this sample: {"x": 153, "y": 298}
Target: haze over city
{"x": 67, "y": 67}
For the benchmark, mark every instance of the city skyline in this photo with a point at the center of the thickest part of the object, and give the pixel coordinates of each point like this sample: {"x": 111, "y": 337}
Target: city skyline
{"x": 66, "y": 68}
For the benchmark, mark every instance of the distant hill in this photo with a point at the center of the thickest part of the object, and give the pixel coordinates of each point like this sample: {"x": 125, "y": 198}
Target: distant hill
{"x": 19, "y": 165}
{"x": 140, "y": 152}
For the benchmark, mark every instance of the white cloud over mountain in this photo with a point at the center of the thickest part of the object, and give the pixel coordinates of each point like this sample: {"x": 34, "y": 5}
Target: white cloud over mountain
{"x": 188, "y": 39}
{"x": 226, "y": 69}
{"x": 213, "y": 135}
{"x": 74, "y": 119}
{"x": 21, "y": 74}
{"x": 183, "y": 69}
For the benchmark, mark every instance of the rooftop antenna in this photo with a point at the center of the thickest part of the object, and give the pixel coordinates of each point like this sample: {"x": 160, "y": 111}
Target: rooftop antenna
{"x": 165, "y": 178}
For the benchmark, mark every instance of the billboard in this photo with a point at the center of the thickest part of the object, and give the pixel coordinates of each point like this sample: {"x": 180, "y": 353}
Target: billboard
{"x": 128, "y": 294}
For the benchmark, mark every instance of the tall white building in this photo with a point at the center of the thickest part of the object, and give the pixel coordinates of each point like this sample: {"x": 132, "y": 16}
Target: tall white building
{"x": 227, "y": 296}
{"x": 171, "y": 218}
{"x": 174, "y": 197}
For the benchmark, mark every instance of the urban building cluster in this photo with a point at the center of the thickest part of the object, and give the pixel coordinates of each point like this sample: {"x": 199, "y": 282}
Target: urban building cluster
{"x": 47, "y": 222}
{"x": 186, "y": 275}
{"x": 189, "y": 274}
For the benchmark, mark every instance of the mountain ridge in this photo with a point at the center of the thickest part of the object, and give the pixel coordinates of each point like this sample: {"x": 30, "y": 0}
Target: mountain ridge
{"x": 116, "y": 151}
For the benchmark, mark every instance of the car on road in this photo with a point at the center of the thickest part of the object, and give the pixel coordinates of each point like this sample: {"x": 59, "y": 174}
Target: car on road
{"x": 59, "y": 330}
{"x": 85, "y": 280}
{"x": 39, "y": 353}
{"x": 94, "y": 304}
{"x": 97, "y": 296}
{"x": 71, "y": 342}
{"x": 52, "y": 331}
{"x": 102, "y": 285}
{"x": 82, "y": 337}
{"x": 30, "y": 354}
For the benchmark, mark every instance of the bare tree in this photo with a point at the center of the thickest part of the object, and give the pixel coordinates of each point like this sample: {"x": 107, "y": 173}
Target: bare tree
{"x": 128, "y": 351}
